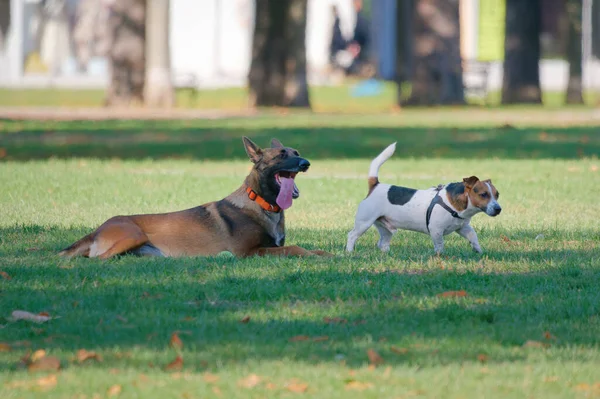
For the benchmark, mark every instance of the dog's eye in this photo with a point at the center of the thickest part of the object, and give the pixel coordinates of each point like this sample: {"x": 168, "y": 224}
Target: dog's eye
{"x": 283, "y": 153}
{"x": 296, "y": 153}
{"x": 484, "y": 195}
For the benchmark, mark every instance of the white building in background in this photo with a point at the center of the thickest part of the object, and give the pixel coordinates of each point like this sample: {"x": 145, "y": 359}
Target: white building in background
{"x": 211, "y": 42}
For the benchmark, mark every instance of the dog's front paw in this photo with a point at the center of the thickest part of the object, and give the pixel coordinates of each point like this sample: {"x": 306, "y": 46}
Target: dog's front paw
{"x": 319, "y": 252}
{"x": 477, "y": 249}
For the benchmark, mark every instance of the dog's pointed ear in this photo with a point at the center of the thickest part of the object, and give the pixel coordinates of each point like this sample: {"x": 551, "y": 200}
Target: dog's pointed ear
{"x": 487, "y": 181}
{"x": 253, "y": 151}
{"x": 470, "y": 182}
{"x": 276, "y": 144}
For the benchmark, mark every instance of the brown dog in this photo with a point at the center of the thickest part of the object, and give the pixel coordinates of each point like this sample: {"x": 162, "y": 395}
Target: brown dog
{"x": 250, "y": 221}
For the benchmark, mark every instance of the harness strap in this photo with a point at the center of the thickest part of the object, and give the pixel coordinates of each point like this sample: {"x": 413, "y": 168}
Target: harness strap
{"x": 437, "y": 200}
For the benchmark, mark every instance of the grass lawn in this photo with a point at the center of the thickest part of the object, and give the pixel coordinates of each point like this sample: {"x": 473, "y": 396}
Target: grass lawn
{"x": 528, "y": 326}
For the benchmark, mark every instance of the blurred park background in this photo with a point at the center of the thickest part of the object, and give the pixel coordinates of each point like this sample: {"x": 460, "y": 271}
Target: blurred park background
{"x": 328, "y": 55}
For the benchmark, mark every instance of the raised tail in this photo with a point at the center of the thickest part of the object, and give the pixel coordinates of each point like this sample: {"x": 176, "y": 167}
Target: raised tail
{"x": 79, "y": 248}
{"x": 376, "y": 164}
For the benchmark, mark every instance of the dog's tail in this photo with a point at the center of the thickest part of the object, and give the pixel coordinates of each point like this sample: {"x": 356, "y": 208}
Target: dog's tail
{"x": 79, "y": 248}
{"x": 376, "y": 164}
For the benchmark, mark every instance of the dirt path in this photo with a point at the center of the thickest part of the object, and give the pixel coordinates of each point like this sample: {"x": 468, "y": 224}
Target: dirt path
{"x": 69, "y": 114}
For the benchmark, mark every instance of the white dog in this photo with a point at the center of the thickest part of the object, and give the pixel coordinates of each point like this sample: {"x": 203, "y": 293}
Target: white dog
{"x": 392, "y": 207}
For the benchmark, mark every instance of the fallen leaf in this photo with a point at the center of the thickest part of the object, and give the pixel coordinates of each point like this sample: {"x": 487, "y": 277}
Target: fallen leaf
{"x": 321, "y": 338}
{"x": 374, "y": 358}
{"x": 358, "y": 385}
{"x": 535, "y": 344}
{"x": 594, "y": 168}
{"x": 188, "y": 318}
{"x": 453, "y": 294}
{"x": 5, "y": 275}
{"x": 176, "y": 342}
{"x": 250, "y": 382}
{"x": 2, "y": 152}
{"x": 44, "y": 314}
{"x": 28, "y": 316}
{"x": 175, "y": 365}
{"x": 83, "y": 355}
{"x": 548, "y": 335}
{"x": 114, "y": 390}
{"x": 296, "y": 386}
{"x": 270, "y": 386}
{"x": 37, "y": 355}
{"x": 505, "y": 238}
{"x": 4, "y": 347}
{"x": 210, "y": 378}
{"x": 245, "y": 319}
{"x": 46, "y": 363}
{"x": 482, "y": 357}
{"x": 299, "y": 338}
{"x": 400, "y": 351}
{"x": 48, "y": 381}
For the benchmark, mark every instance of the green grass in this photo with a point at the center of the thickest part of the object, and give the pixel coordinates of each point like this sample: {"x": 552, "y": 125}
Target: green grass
{"x": 539, "y": 273}
{"x": 337, "y": 99}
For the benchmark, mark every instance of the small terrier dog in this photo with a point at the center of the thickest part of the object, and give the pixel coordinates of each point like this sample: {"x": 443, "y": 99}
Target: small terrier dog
{"x": 392, "y": 207}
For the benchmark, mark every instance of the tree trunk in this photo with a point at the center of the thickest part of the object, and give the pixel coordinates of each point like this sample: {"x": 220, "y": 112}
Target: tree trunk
{"x": 127, "y": 53}
{"x": 437, "y": 73}
{"x": 278, "y": 70}
{"x": 4, "y": 22}
{"x": 158, "y": 86}
{"x": 404, "y": 14}
{"x": 574, "y": 52}
{"x": 521, "y": 81}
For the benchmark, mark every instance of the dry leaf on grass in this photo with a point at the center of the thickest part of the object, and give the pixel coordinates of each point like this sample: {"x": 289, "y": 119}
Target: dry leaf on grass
{"x": 321, "y": 338}
{"x": 245, "y": 319}
{"x": 176, "y": 342}
{"x": 299, "y": 338}
{"x": 46, "y": 363}
{"x": 175, "y": 365}
{"x": 83, "y": 355}
{"x": 249, "y": 382}
{"x": 296, "y": 386}
{"x": 548, "y": 335}
{"x": 4, "y": 347}
{"x": 400, "y": 351}
{"x": 374, "y": 358}
{"x": 5, "y": 275}
{"x": 37, "y": 355}
{"x": 114, "y": 390}
{"x": 210, "y": 378}
{"x": 48, "y": 381}
{"x": 28, "y": 316}
{"x": 358, "y": 385}
{"x": 482, "y": 357}
{"x": 453, "y": 294}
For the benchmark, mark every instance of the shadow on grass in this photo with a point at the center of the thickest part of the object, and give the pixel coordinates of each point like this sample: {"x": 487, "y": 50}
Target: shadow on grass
{"x": 369, "y": 300}
{"x": 324, "y": 142}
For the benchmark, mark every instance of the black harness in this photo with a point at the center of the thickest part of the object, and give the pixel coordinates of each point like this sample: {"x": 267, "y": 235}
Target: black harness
{"x": 437, "y": 200}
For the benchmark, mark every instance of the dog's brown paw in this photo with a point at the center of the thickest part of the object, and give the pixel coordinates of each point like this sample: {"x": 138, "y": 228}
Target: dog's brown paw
{"x": 322, "y": 253}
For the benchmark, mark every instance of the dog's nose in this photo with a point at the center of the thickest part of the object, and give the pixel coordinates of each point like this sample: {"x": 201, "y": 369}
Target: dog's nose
{"x": 303, "y": 165}
{"x": 497, "y": 209}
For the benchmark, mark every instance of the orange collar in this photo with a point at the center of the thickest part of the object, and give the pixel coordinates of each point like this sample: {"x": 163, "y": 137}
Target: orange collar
{"x": 261, "y": 201}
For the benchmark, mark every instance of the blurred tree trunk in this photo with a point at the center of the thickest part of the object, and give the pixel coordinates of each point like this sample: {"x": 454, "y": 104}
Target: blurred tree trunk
{"x": 158, "y": 86}
{"x": 404, "y": 18}
{"x": 127, "y": 53}
{"x": 278, "y": 70}
{"x": 574, "y": 52}
{"x": 521, "y": 81}
{"x": 437, "y": 73}
{"x": 4, "y": 22}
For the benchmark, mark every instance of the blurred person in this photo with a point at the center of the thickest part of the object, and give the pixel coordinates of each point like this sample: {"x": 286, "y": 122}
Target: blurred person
{"x": 337, "y": 48}
{"x": 361, "y": 40}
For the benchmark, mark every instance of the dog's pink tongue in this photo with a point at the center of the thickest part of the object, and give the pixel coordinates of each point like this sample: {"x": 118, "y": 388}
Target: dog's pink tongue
{"x": 284, "y": 199}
